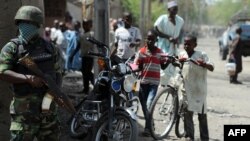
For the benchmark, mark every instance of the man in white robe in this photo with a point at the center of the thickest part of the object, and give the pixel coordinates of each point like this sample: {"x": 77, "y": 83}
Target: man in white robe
{"x": 169, "y": 28}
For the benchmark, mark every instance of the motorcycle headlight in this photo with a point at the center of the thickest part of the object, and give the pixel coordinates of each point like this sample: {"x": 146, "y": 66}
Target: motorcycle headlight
{"x": 116, "y": 85}
{"x": 128, "y": 83}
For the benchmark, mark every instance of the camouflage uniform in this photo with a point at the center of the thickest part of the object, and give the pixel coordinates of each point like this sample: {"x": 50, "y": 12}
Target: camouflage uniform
{"x": 27, "y": 118}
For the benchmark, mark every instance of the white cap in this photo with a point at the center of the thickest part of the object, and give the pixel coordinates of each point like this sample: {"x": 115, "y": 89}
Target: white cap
{"x": 47, "y": 29}
{"x": 172, "y": 4}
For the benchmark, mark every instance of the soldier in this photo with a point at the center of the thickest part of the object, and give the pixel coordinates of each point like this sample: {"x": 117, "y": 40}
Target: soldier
{"x": 33, "y": 111}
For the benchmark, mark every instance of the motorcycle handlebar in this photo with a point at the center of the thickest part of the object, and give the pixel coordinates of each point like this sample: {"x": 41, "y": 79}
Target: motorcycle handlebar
{"x": 94, "y": 41}
{"x": 96, "y": 54}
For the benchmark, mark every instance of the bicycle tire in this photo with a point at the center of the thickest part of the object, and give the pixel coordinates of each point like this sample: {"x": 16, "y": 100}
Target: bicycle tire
{"x": 173, "y": 111}
{"x": 179, "y": 131}
{"x": 102, "y": 123}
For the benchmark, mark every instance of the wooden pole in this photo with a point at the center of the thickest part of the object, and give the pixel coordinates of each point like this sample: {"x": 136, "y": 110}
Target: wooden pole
{"x": 101, "y": 25}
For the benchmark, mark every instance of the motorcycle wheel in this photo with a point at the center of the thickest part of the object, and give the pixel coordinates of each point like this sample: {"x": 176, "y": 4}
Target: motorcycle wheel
{"x": 77, "y": 124}
{"x": 123, "y": 126}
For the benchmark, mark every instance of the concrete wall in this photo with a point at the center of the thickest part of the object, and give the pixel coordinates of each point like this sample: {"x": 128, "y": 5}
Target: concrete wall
{"x": 74, "y": 8}
{"x": 116, "y": 9}
{"x": 75, "y": 11}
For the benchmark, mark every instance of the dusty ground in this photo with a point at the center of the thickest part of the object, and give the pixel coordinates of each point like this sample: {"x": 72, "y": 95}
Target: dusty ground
{"x": 228, "y": 103}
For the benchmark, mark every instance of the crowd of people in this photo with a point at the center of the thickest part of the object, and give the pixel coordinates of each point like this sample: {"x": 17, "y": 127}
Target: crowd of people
{"x": 67, "y": 50}
{"x": 66, "y": 38}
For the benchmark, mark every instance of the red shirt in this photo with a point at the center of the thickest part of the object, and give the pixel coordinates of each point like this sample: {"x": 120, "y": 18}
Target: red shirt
{"x": 151, "y": 62}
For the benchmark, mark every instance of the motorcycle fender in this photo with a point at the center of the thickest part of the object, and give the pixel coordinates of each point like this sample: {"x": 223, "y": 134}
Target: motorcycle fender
{"x": 131, "y": 114}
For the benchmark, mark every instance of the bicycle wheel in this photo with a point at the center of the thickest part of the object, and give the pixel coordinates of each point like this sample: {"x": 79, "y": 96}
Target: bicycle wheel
{"x": 179, "y": 125}
{"x": 123, "y": 126}
{"x": 163, "y": 113}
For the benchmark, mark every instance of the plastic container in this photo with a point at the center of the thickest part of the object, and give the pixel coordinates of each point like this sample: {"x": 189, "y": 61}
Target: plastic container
{"x": 230, "y": 68}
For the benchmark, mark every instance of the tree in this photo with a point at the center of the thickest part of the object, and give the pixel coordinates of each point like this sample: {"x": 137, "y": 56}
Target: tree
{"x": 132, "y": 6}
{"x": 188, "y": 9}
{"x": 221, "y": 12}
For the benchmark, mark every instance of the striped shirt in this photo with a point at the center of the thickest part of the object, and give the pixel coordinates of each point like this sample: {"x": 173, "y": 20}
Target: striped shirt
{"x": 151, "y": 62}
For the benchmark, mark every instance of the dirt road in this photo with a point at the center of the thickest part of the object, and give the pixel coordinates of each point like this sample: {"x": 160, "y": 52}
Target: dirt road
{"x": 227, "y": 103}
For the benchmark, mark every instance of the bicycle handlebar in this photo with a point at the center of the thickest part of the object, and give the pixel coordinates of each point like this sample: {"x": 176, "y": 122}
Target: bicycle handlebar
{"x": 178, "y": 62}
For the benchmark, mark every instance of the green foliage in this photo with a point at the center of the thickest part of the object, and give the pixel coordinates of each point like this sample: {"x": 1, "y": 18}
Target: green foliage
{"x": 132, "y": 6}
{"x": 193, "y": 11}
{"x": 157, "y": 10}
{"x": 187, "y": 9}
{"x": 222, "y": 12}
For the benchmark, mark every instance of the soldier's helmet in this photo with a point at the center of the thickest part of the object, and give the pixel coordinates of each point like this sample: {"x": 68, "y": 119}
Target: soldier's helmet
{"x": 29, "y": 13}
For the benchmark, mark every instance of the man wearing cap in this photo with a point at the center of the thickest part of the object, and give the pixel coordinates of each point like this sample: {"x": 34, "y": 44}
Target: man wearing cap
{"x": 169, "y": 28}
{"x": 33, "y": 111}
{"x": 54, "y": 30}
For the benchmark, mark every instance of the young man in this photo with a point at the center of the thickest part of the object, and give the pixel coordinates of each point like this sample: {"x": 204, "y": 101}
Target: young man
{"x": 127, "y": 38}
{"x": 87, "y": 61}
{"x": 195, "y": 78}
{"x": 169, "y": 28}
{"x": 150, "y": 62}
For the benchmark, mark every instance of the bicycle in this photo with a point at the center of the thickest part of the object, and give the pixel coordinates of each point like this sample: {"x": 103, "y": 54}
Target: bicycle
{"x": 170, "y": 106}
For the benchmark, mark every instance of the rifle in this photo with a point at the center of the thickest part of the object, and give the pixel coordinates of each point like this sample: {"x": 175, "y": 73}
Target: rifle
{"x": 60, "y": 98}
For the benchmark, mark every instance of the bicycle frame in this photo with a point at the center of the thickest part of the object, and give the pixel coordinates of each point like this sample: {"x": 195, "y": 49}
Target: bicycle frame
{"x": 171, "y": 110}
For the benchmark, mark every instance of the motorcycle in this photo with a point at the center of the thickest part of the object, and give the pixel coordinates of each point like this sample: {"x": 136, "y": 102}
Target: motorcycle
{"x": 108, "y": 110}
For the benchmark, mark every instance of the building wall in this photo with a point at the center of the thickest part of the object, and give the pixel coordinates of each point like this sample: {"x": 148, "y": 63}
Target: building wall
{"x": 54, "y": 9}
{"x": 7, "y": 31}
{"x": 75, "y": 11}
{"x": 116, "y": 9}
{"x": 58, "y": 12}
{"x": 38, "y": 3}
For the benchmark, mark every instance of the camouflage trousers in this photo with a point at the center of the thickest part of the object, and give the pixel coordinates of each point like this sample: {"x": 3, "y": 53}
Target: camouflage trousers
{"x": 48, "y": 129}
{"x": 28, "y": 121}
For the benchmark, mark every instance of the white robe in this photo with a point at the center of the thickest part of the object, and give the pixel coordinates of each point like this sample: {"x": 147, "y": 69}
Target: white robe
{"x": 165, "y": 26}
{"x": 195, "y": 79}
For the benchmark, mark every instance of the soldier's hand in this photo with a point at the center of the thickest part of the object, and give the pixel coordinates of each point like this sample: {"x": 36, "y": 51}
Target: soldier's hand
{"x": 35, "y": 81}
